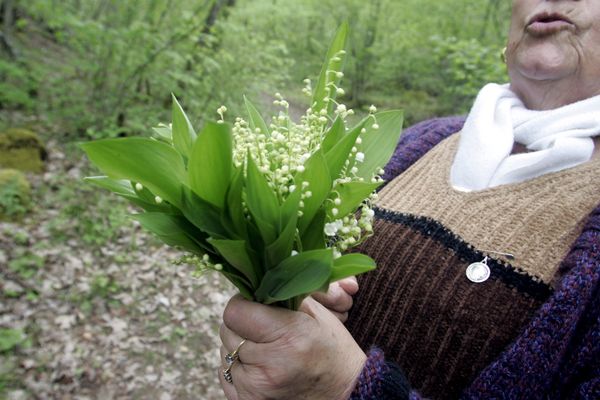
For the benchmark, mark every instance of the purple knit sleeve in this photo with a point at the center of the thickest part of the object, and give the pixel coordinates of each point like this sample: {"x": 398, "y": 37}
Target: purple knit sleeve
{"x": 418, "y": 140}
{"x": 381, "y": 380}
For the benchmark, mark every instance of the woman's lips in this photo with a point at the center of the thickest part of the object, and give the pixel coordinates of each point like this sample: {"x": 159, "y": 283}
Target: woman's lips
{"x": 547, "y": 24}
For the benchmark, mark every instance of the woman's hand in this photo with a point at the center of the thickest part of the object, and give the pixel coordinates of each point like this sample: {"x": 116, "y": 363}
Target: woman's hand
{"x": 306, "y": 354}
{"x": 338, "y": 298}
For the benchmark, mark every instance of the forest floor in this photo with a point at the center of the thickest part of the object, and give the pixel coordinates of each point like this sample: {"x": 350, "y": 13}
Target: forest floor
{"x": 94, "y": 308}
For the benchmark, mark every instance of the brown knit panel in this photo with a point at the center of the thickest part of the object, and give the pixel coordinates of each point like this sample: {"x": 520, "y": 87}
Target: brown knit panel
{"x": 419, "y": 307}
{"x": 534, "y": 220}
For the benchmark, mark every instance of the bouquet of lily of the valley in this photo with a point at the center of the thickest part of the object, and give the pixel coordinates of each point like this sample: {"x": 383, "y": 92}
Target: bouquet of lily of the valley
{"x": 273, "y": 206}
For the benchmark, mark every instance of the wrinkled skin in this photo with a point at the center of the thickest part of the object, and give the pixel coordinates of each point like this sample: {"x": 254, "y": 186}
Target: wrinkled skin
{"x": 554, "y": 64}
{"x": 306, "y": 354}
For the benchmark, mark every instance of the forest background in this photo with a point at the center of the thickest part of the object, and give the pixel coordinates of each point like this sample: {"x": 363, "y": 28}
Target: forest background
{"x": 91, "y": 307}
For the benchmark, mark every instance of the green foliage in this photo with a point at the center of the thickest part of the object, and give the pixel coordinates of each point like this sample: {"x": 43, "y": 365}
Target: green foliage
{"x": 223, "y": 196}
{"x": 101, "y": 69}
{"x": 465, "y": 65}
{"x": 95, "y": 222}
{"x": 21, "y": 149}
{"x": 15, "y": 194}
{"x": 103, "y": 286}
{"x": 25, "y": 263}
{"x": 17, "y": 86}
{"x": 11, "y": 338}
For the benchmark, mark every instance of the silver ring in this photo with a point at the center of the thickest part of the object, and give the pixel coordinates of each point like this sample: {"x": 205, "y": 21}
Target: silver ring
{"x": 227, "y": 375}
{"x": 230, "y": 359}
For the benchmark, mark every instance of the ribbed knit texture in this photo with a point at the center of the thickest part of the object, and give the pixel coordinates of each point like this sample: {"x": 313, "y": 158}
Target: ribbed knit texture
{"x": 556, "y": 354}
{"x": 536, "y": 220}
{"x": 380, "y": 380}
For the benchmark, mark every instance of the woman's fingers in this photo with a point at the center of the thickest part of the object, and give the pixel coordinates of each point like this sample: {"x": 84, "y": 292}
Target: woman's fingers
{"x": 336, "y": 299}
{"x": 228, "y": 388}
{"x": 256, "y": 322}
{"x": 349, "y": 284}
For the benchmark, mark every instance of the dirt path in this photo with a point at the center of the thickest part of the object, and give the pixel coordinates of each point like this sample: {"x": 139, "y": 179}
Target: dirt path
{"x": 108, "y": 318}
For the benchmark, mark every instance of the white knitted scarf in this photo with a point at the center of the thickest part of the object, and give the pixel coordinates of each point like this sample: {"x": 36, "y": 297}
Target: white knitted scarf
{"x": 556, "y": 139}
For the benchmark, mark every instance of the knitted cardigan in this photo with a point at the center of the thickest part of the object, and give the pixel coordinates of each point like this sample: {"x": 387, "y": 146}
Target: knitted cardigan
{"x": 556, "y": 356}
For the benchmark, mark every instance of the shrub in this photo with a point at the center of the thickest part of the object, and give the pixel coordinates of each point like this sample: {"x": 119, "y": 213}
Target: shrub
{"x": 21, "y": 149}
{"x": 15, "y": 194}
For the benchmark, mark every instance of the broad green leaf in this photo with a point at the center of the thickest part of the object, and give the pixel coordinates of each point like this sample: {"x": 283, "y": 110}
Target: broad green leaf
{"x": 241, "y": 283}
{"x": 333, "y": 135}
{"x": 262, "y": 202}
{"x": 118, "y": 186}
{"x": 183, "y": 134}
{"x": 256, "y": 120}
{"x": 235, "y": 207}
{"x": 164, "y": 132}
{"x": 350, "y": 265}
{"x": 172, "y": 229}
{"x": 379, "y": 145}
{"x": 154, "y": 164}
{"x": 320, "y": 93}
{"x": 237, "y": 254}
{"x": 351, "y": 195}
{"x": 314, "y": 235}
{"x": 202, "y": 214}
{"x": 210, "y": 164}
{"x": 316, "y": 174}
{"x": 289, "y": 209}
{"x": 295, "y": 276}
{"x": 338, "y": 154}
{"x": 123, "y": 188}
{"x": 284, "y": 244}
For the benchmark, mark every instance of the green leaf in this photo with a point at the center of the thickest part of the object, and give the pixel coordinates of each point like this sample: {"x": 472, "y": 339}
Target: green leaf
{"x": 256, "y": 120}
{"x": 333, "y": 135}
{"x": 182, "y": 131}
{"x": 351, "y": 265}
{"x": 338, "y": 43}
{"x": 284, "y": 244}
{"x": 262, "y": 202}
{"x": 210, "y": 163}
{"x": 241, "y": 283}
{"x": 202, "y": 214}
{"x": 118, "y": 186}
{"x": 337, "y": 156}
{"x": 289, "y": 209}
{"x": 235, "y": 209}
{"x": 238, "y": 255}
{"x": 295, "y": 276}
{"x": 351, "y": 195}
{"x": 316, "y": 173}
{"x": 152, "y": 163}
{"x": 123, "y": 188}
{"x": 164, "y": 132}
{"x": 174, "y": 230}
{"x": 314, "y": 235}
{"x": 379, "y": 145}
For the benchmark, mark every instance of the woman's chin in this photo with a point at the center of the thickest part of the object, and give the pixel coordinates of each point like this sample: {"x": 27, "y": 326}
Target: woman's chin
{"x": 546, "y": 62}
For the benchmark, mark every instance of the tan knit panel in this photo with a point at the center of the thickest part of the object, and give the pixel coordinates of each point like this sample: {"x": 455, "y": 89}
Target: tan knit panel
{"x": 536, "y": 220}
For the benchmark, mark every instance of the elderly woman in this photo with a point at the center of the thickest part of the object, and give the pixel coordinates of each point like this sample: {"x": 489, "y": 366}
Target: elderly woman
{"x": 487, "y": 241}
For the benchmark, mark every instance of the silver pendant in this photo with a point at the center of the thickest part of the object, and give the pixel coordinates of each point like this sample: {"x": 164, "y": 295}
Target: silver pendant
{"x": 478, "y": 272}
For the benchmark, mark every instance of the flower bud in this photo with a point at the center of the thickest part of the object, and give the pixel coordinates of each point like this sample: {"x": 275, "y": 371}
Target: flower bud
{"x": 139, "y": 187}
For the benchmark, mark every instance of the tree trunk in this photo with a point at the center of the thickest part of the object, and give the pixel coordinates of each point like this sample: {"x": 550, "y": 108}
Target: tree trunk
{"x": 211, "y": 19}
{"x": 8, "y": 21}
{"x": 363, "y": 61}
